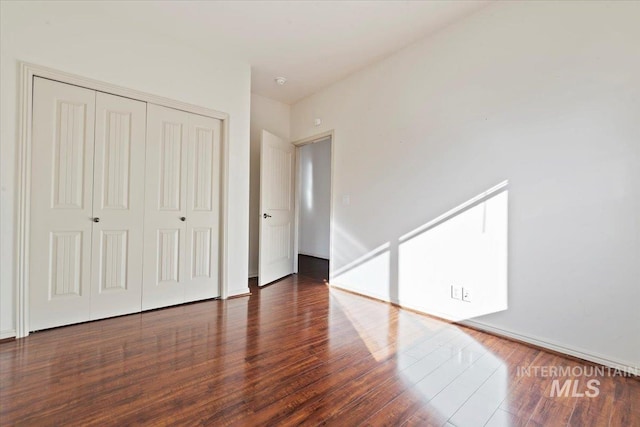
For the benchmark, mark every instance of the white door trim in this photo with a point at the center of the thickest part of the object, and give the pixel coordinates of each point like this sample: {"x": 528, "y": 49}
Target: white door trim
{"x": 25, "y": 105}
{"x": 296, "y": 232}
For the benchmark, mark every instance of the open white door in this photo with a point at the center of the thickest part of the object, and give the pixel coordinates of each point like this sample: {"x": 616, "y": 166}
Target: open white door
{"x": 276, "y": 208}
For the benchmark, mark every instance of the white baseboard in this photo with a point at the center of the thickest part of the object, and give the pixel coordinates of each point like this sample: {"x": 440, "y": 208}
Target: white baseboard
{"x": 253, "y": 275}
{"x": 238, "y": 291}
{"x": 363, "y": 293}
{"x": 623, "y": 366}
{"x": 571, "y": 351}
{"x": 9, "y": 333}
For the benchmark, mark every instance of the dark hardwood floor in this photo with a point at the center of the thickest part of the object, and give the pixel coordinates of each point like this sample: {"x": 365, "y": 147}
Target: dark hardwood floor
{"x": 314, "y": 268}
{"x": 293, "y": 353}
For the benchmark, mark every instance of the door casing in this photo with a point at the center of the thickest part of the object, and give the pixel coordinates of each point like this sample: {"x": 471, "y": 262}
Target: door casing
{"x": 296, "y": 239}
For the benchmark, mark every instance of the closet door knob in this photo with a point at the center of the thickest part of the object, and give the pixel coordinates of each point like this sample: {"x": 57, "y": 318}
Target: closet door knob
{"x": 183, "y": 218}
{"x": 96, "y": 219}
{"x": 266, "y": 215}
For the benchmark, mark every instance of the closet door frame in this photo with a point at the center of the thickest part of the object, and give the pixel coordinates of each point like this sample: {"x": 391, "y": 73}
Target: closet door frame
{"x": 25, "y": 107}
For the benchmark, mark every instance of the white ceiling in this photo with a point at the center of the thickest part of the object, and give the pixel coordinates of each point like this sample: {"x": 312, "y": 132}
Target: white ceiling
{"x": 311, "y": 43}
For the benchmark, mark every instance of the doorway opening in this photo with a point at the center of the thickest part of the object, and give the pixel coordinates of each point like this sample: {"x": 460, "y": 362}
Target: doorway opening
{"x": 313, "y": 208}
{"x": 295, "y": 207}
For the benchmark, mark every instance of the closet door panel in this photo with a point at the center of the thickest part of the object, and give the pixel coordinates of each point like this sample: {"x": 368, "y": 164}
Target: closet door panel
{"x": 165, "y": 207}
{"x": 61, "y": 204}
{"x": 118, "y": 203}
{"x": 203, "y": 195}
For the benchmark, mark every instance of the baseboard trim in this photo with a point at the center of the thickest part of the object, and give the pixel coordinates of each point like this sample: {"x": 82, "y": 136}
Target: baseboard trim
{"x": 7, "y": 334}
{"x": 248, "y": 294}
{"x": 365, "y": 294}
{"x": 238, "y": 292}
{"x": 551, "y": 346}
{"x": 514, "y": 336}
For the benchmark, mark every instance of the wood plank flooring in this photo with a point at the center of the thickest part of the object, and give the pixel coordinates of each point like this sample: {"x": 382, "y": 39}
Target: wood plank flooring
{"x": 293, "y": 353}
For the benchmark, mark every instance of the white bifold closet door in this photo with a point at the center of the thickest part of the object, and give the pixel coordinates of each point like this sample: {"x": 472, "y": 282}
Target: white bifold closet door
{"x": 181, "y": 207}
{"x": 118, "y": 203}
{"x": 87, "y": 188}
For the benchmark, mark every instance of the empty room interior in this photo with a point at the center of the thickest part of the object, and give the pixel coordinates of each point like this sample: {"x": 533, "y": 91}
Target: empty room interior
{"x": 273, "y": 213}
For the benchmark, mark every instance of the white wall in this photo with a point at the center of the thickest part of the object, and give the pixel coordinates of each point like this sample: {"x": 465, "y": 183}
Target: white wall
{"x": 273, "y": 116}
{"x": 543, "y": 94}
{"x": 72, "y": 37}
{"x": 315, "y": 199}
{"x": 464, "y": 249}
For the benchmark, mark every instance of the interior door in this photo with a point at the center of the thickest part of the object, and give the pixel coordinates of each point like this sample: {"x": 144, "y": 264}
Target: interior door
{"x": 118, "y": 206}
{"x": 165, "y": 207}
{"x": 203, "y": 207}
{"x": 276, "y": 208}
{"x": 61, "y": 204}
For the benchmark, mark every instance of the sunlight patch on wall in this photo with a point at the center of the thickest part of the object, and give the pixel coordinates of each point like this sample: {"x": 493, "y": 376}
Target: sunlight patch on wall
{"x": 455, "y": 266}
